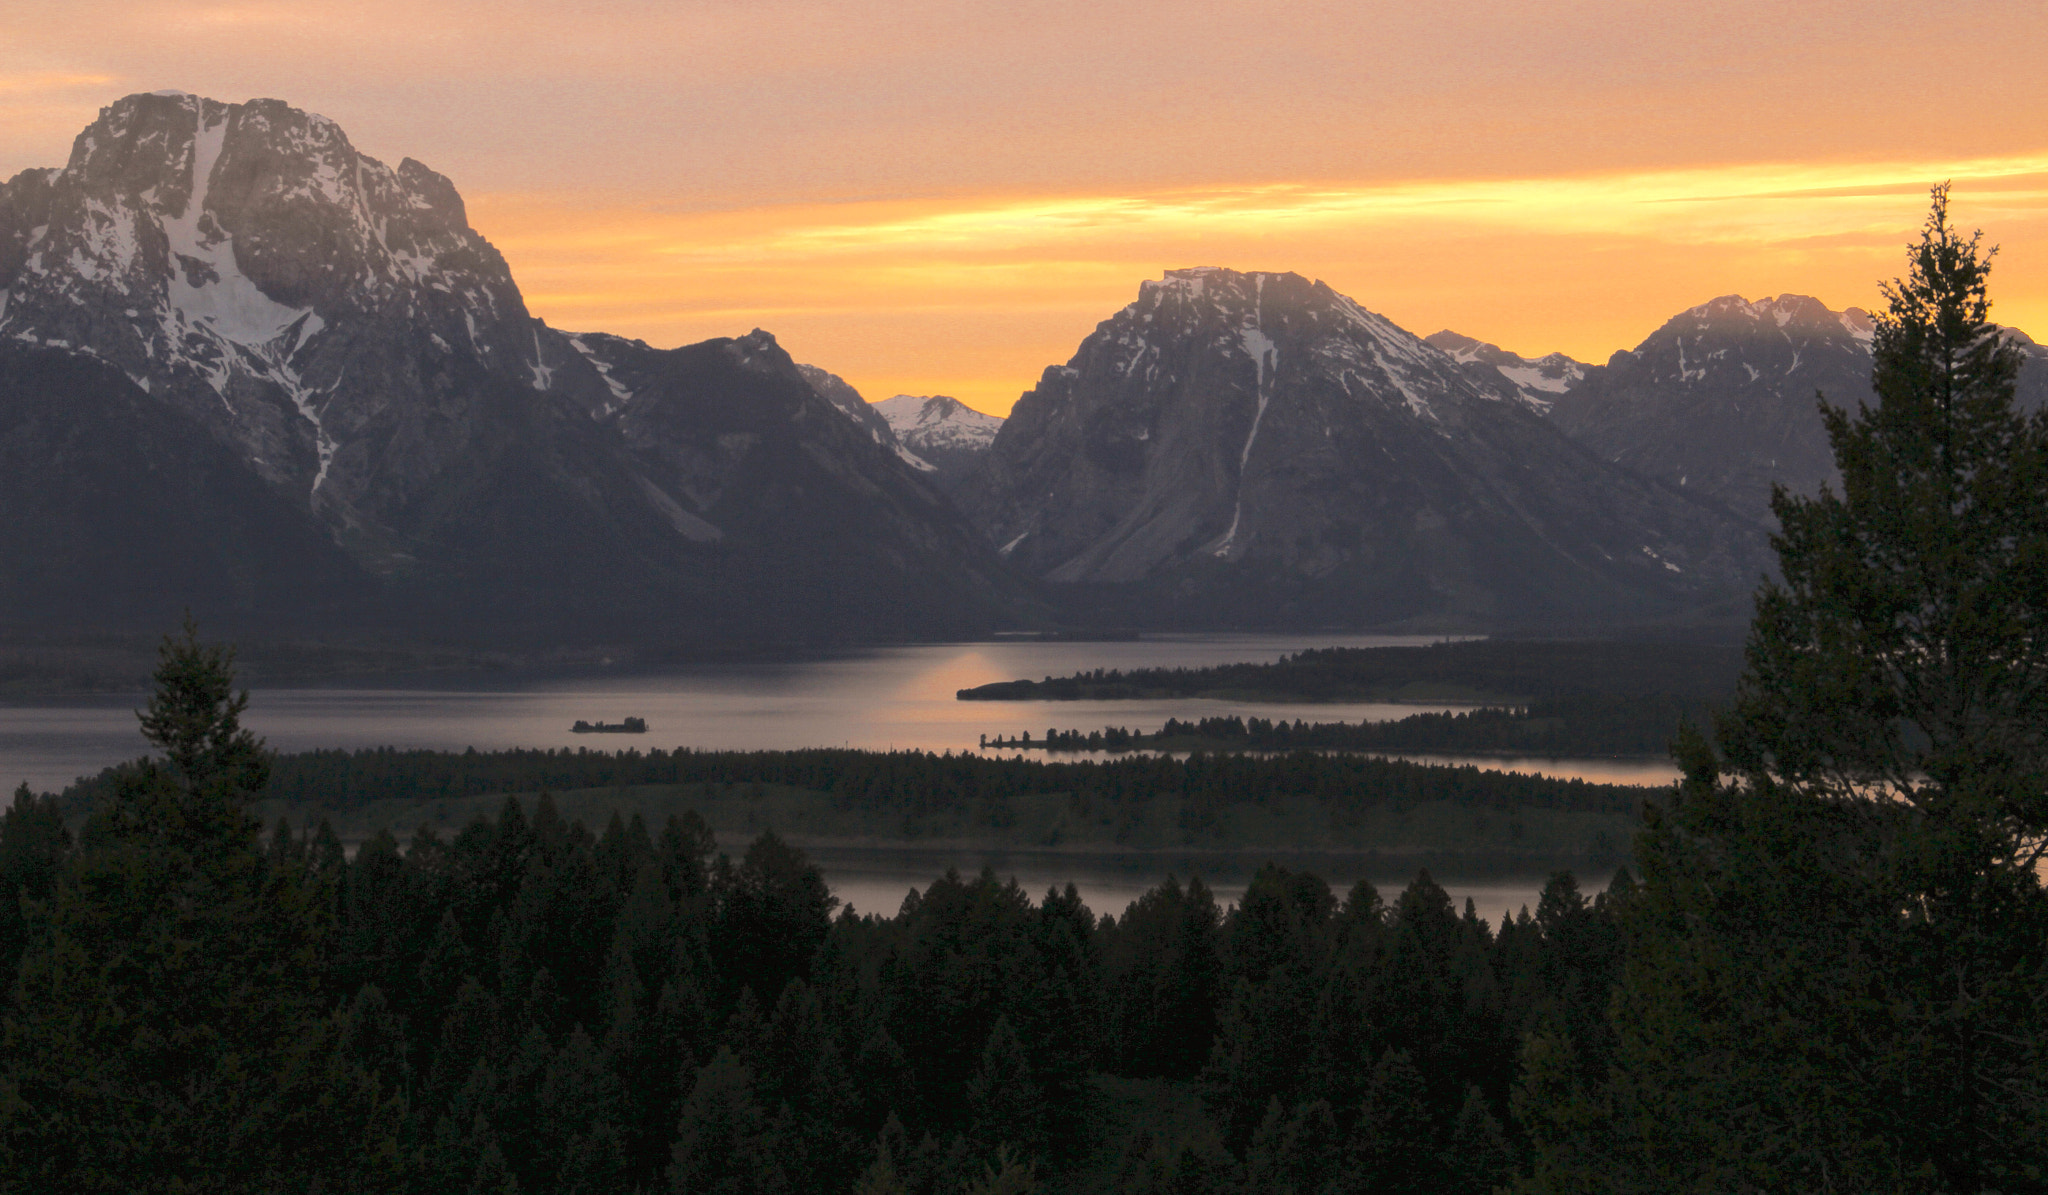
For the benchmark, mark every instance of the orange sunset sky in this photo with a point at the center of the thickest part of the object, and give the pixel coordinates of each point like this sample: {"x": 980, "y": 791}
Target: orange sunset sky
{"x": 945, "y": 197}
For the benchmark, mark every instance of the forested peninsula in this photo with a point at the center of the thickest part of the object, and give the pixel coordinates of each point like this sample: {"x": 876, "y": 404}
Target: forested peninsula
{"x": 1482, "y": 671}
{"x": 1615, "y": 727}
{"x": 1531, "y": 697}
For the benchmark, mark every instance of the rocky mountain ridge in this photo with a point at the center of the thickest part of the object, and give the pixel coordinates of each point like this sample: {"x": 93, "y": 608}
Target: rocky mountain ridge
{"x": 1237, "y": 449}
{"x": 1722, "y": 400}
{"x": 339, "y": 330}
{"x": 1537, "y": 380}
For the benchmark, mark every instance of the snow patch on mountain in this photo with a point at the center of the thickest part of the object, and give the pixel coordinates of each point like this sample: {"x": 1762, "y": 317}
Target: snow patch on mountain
{"x": 1536, "y": 381}
{"x": 620, "y": 394}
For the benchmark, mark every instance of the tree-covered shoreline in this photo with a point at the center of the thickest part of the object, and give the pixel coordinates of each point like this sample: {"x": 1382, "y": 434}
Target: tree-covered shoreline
{"x": 1583, "y": 727}
{"x": 1492, "y": 671}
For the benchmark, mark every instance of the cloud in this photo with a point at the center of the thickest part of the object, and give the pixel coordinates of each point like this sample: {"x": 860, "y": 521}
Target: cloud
{"x": 46, "y": 82}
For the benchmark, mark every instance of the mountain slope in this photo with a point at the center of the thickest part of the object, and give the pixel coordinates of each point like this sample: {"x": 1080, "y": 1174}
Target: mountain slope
{"x": 1720, "y": 400}
{"x": 837, "y": 391}
{"x": 1256, "y": 449}
{"x": 111, "y": 515}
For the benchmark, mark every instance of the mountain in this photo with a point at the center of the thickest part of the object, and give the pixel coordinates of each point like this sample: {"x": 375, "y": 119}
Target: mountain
{"x": 1256, "y": 449}
{"x": 952, "y": 436}
{"x": 350, "y": 346}
{"x": 1537, "y": 380}
{"x": 1721, "y": 400}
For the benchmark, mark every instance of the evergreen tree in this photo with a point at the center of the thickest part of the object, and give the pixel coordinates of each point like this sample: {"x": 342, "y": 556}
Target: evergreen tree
{"x": 1839, "y": 949}
{"x": 881, "y": 1178}
{"x": 1392, "y": 1150}
{"x": 33, "y": 848}
{"x": 1478, "y": 1157}
{"x": 1297, "y": 1154}
{"x": 1162, "y": 972}
{"x": 1004, "y": 1100}
{"x": 1006, "y": 1175}
{"x": 774, "y": 913}
{"x": 723, "y": 1145}
{"x": 168, "y": 1028}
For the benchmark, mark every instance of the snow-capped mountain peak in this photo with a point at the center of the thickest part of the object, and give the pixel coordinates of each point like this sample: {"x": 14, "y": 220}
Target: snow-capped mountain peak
{"x": 1256, "y": 446}
{"x": 211, "y": 251}
{"x": 937, "y": 417}
{"x": 943, "y": 433}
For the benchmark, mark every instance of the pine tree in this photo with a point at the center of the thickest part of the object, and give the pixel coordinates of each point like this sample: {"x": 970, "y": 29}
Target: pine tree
{"x": 1297, "y": 1154}
{"x": 1004, "y": 1100}
{"x": 1005, "y": 1175}
{"x": 723, "y": 1146}
{"x": 1392, "y": 1146}
{"x": 881, "y": 1178}
{"x": 169, "y": 1019}
{"x": 1839, "y": 948}
{"x": 774, "y": 913}
{"x": 33, "y": 847}
{"x": 1478, "y": 1157}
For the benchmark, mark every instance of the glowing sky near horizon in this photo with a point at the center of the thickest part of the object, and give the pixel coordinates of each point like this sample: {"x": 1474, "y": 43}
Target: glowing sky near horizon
{"x": 945, "y": 197}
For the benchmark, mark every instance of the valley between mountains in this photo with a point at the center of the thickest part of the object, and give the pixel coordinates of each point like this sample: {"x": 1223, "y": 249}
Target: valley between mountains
{"x": 250, "y": 372}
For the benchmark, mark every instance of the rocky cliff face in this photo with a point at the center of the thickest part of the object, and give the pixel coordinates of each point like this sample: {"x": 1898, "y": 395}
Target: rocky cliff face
{"x": 1722, "y": 400}
{"x": 338, "y": 329}
{"x": 950, "y": 435}
{"x": 1258, "y": 449}
{"x": 112, "y": 515}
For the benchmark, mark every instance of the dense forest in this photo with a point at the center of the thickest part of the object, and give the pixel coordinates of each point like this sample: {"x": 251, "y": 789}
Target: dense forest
{"x": 913, "y": 782}
{"x": 528, "y": 1005}
{"x": 1562, "y": 726}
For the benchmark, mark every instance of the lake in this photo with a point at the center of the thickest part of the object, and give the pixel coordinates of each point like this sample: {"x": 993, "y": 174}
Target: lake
{"x": 879, "y": 699}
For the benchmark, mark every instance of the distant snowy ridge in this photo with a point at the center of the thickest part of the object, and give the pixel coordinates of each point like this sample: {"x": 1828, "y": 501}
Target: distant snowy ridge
{"x": 1537, "y": 380}
{"x": 944, "y": 434}
{"x": 926, "y": 420}
{"x": 1720, "y": 400}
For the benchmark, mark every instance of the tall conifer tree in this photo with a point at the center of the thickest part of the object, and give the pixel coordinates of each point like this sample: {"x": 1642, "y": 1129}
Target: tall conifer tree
{"x": 1838, "y": 957}
{"x": 168, "y": 1033}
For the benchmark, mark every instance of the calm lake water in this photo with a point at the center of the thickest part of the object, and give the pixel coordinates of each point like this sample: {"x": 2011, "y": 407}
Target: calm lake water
{"x": 882, "y": 699}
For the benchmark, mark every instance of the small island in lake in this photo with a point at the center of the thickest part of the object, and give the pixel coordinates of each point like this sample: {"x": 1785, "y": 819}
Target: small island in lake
{"x": 629, "y": 726}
